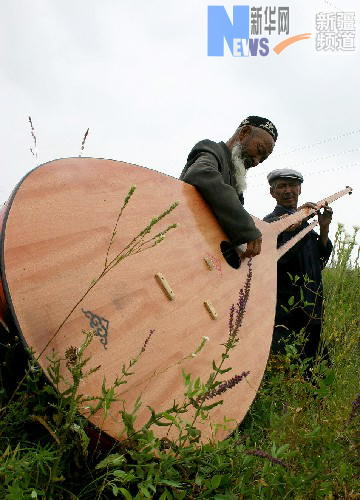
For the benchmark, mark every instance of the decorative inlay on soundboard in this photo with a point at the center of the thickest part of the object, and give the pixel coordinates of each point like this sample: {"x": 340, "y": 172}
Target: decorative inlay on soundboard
{"x": 100, "y": 325}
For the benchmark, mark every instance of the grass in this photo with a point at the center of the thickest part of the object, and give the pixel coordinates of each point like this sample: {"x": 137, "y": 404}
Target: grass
{"x": 300, "y": 439}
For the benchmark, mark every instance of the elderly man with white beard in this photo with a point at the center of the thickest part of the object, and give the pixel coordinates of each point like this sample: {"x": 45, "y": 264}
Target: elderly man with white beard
{"x": 218, "y": 171}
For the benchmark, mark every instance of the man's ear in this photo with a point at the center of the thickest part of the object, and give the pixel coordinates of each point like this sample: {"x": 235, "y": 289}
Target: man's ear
{"x": 300, "y": 189}
{"x": 245, "y": 130}
{"x": 272, "y": 191}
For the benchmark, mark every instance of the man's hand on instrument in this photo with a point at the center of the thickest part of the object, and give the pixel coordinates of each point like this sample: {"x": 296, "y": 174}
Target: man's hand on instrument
{"x": 309, "y": 204}
{"x": 253, "y": 248}
{"x": 325, "y": 217}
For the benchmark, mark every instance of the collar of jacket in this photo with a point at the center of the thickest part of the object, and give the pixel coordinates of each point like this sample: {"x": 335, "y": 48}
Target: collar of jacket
{"x": 281, "y": 210}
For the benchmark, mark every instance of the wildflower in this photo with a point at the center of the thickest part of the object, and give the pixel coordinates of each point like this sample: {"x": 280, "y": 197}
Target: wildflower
{"x": 33, "y": 151}
{"x": 238, "y": 311}
{"x": 223, "y": 387}
{"x": 147, "y": 340}
{"x": 71, "y": 354}
{"x": 204, "y": 339}
{"x": 355, "y": 407}
{"x": 83, "y": 142}
{"x": 231, "y": 317}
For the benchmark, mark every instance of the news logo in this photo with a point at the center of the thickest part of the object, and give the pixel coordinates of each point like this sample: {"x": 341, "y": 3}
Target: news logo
{"x": 248, "y": 32}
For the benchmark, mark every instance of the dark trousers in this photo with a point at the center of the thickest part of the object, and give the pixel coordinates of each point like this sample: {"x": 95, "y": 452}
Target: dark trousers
{"x": 287, "y": 327}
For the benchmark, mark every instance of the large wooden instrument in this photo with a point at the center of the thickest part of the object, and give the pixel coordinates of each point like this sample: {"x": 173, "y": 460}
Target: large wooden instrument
{"x": 56, "y": 230}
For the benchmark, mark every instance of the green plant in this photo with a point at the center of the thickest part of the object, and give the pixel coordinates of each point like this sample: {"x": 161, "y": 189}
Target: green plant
{"x": 299, "y": 439}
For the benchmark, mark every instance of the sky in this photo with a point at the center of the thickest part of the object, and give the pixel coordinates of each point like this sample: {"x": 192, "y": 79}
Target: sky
{"x": 138, "y": 75}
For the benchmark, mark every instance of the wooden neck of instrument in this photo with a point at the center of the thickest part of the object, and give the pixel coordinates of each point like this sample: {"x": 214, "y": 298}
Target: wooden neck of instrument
{"x": 289, "y": 244}
{"x": 282, "y": 224}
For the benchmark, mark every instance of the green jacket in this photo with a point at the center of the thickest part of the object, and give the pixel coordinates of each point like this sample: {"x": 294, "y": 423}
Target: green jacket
{"x": 209, "y": 169}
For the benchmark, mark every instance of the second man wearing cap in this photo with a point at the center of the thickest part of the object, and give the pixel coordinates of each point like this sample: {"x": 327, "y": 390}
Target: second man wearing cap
{"x": 299, "y": 270}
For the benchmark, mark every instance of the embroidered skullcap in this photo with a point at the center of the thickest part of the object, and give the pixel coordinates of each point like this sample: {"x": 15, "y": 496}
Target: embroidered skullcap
{"x": 287, "y": 173}
{"x": 263, "y": 123}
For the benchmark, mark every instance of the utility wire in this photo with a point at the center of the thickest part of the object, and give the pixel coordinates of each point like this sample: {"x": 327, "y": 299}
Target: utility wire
{"x": 315, "y": 160}
{"x": 316, "y": 172}
{"x": 319, "y": 143}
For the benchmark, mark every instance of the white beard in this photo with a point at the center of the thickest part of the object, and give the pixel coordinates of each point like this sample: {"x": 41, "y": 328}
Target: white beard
{"x": 238, "y": 170}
